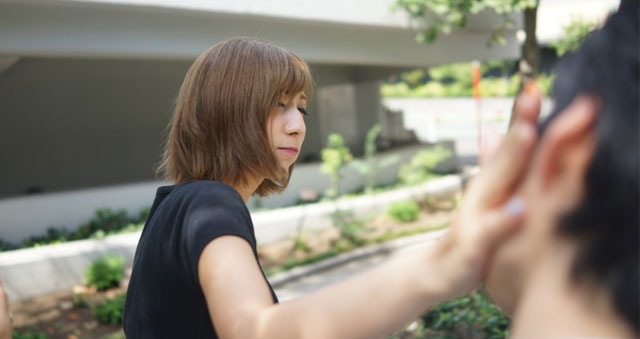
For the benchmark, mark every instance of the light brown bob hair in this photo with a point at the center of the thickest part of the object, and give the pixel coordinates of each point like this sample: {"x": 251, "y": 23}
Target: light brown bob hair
{"x": 218, "y": 131}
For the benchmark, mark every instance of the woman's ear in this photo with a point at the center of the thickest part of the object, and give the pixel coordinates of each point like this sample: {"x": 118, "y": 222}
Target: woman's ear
{"x": 567, "y": 146}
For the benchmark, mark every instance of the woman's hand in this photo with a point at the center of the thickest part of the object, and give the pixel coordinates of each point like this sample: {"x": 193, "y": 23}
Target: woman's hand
{"x": 6, "y": 331}
{"x": 489, "y": 213}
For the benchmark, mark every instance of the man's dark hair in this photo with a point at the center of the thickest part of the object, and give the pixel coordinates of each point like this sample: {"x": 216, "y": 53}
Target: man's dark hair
{"x": 607, "y": 221}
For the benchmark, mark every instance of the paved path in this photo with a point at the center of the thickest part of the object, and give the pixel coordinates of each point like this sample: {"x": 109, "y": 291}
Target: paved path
{"x": 316, "y": 280}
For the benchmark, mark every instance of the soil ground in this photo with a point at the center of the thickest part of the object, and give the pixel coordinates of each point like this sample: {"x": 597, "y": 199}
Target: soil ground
{"x": 61, "y": 315}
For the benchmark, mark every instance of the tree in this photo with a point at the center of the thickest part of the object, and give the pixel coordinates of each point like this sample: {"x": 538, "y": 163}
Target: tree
{"x": 575, "y": 34}
{"x": 442, "y": 16}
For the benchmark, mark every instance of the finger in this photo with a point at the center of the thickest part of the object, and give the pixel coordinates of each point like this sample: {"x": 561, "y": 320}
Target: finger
{"x": 500, "y": 177}
{"x": 489, "y": 148}
{"x": 501, "y": 223}
{"x": 528, "y": 104}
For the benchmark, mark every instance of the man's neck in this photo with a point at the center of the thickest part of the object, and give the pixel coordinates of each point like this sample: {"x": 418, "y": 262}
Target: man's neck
{"x": 552, "y": 306}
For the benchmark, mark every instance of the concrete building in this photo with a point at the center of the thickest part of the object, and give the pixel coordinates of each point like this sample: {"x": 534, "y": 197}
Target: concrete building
{"x": 87, "y": 86}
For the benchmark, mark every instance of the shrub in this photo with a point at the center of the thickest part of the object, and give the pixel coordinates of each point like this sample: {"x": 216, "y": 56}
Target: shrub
{"x": 110, "y": 310}
{"x": 28, "y": 335}
{"x": 105, "y": 220}
{"x": 334, "y": 157}
{"x": 105, "y": 273}
{"x": 350, "y": 227}
{"x": 472, "y": 316}
{"x": 404, "y": 211}
{"x": 422, "y": 164}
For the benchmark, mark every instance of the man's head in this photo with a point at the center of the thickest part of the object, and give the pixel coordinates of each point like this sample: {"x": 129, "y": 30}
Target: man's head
{"x": 582, "y": 190}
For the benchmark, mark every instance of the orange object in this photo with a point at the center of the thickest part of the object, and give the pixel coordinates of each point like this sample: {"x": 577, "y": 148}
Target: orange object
{"x": 531, "y": 88}
{"x": 476, "y": 75}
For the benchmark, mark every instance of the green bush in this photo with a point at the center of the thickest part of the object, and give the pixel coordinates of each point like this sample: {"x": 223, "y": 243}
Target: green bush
{"x": 422, "y": 164}
{"x": 455, "y": 81}
{"x": 110, "y": 310}
{"x": 28, "y": 335}
{"x": 404, "y": 211}
{"x": 576, "y": 32}
{"x": 105, "y": 273}
{"x": 334, "y": 157}
{"x": 350, "y": 227}
{"x": 105, "y": 222}
{"x": 471, "y": 316}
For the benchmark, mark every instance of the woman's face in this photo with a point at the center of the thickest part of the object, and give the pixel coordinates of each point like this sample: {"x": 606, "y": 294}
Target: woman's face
{"x": 286, "y": 128}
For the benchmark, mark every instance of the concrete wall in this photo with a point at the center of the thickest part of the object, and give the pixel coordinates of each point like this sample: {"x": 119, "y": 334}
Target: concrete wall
{"x": 79, "y": 123}
{"x": 76, "y": 123}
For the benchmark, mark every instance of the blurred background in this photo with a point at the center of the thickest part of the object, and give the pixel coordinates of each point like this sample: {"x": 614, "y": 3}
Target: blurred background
{"x": 405, "y": 93}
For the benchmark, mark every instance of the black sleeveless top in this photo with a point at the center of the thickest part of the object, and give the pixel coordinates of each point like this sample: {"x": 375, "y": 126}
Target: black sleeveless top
{"x": 164, "y": 298}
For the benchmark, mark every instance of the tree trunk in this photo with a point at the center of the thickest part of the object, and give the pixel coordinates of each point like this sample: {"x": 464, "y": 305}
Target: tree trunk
{"x": 530, "y": 49}
{"x": 530, "y": 59}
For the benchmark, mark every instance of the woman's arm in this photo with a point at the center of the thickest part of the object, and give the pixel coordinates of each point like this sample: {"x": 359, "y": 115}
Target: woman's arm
{"x": 382, "y": 299}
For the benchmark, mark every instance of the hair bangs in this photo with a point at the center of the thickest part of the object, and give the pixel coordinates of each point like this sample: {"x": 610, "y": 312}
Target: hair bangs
{"x": 296, "y": 77}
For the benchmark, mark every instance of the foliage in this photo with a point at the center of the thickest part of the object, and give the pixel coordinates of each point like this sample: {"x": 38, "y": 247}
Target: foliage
{"x": 7, "y": 246}
{"x": 105, "y": 222}
{"x": 576, "y": 32}
{"x": 110, "y": 310}
{"x": 334, "y": 157}
{"x": 404, "y": 210}
{"x": 28, "y": 335}
{"x": 338, "y": 248}
{"x": 351, "y": 229}
{"x": 369, "y": 166}
{"x": 422, "y": 164}
{"x": 471, "y": 316}
{"x": 79, "y": 301}
{"x": 390, "y": 235}
{"x": 105, "y": 273}
{"x": 442, "y": 16}
{"x": 453, "y": 81}
{"x": 413, "y": 78}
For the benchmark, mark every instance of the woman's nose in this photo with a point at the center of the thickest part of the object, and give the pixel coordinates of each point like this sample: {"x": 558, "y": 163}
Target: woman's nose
{"x": 295, "y": 123}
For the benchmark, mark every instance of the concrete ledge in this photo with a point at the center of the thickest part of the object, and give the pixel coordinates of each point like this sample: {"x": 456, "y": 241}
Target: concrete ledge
{"x": 36, "y": 271}
{"x": 281, "y": 223}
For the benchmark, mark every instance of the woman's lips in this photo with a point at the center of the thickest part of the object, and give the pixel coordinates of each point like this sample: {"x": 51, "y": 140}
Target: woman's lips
{"x": 289, "y": 150}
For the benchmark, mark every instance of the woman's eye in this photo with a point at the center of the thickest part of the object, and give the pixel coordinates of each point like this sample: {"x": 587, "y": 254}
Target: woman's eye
{"x": 281, "y": 105}
{"x": 302, "y": 110}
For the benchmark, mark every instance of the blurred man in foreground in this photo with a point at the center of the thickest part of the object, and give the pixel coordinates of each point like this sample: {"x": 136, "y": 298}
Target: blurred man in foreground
{"x": 573, "y": 270}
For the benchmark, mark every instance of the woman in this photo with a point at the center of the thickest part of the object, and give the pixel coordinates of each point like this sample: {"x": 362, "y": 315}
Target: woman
{"x": 237, "y": 131}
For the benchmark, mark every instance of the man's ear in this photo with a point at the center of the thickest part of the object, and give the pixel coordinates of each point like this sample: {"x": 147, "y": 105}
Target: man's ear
{"x": 568, "y": 144}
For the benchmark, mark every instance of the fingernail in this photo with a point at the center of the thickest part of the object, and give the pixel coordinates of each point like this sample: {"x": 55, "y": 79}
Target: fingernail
{"x": 515, "y": 206}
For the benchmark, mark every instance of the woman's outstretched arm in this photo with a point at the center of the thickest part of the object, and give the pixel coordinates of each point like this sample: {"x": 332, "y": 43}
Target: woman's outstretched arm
{"x": 382, "y": 299}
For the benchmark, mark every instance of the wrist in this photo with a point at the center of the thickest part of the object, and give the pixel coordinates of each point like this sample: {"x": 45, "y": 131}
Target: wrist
{"x": 433, "y": 283}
